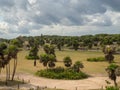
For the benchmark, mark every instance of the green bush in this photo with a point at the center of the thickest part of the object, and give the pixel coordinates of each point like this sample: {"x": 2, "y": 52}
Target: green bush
{"x": 32, "y": 57}
{"x": 112, "y": 88}
{"x": 61, "y": 73}
{"x": 98, "y": 59}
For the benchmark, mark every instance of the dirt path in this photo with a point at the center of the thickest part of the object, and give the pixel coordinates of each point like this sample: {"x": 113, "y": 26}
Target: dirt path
{"x": 96, "y": 82}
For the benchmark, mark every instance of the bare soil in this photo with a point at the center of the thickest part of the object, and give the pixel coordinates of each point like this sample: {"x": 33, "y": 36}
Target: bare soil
{"x": 91, "y": 83}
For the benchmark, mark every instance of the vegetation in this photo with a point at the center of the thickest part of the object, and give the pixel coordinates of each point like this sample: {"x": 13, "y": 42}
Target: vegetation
{"x": 61, "y": 73}
{"x": 112, "y": 88}
{"x": 48, "y": 60}
{"x": 67, "y": 61}
{"x": 109, "y": 50}
{"x": 87, "y": 47}
{"x": 98, "y": 59}
{"x": 111, "y": 69}
{"x": 77, "y": 66}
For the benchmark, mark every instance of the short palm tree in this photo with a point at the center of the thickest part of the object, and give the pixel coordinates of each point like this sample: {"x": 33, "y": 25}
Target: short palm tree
{"x": 52, "y": 60}
{"x": 44, "y": 59}
{"x": 77, "y": 66}
{"x": 67, "y": 61}
{"x": 111, "y": 69}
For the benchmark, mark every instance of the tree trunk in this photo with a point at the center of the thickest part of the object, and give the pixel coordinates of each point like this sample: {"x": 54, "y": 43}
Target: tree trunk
{"x": 6, "y": 83}
{"x": 9, "y": 71}
{"x": 35, "y": 62}
{"x": 0, "y": 70}
{"x": 115, "y": 83}
{"x": 14, "y": 68}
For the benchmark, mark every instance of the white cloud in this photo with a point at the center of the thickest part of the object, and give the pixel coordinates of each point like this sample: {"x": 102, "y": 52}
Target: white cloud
{"x": 4, "y": 26}
{"x": 61, "y": 17}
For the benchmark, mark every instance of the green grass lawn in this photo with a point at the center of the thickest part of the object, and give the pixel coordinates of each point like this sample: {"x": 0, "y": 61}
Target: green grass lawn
{"x": 25, "y": 65}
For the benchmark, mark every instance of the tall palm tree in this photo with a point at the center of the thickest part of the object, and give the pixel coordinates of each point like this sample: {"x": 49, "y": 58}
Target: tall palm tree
{"x": 12, "y": 51}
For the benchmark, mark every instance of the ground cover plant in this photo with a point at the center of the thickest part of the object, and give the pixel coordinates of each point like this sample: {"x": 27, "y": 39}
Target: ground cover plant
{"x": 97, "y": 59}
{"x": 61, "y": 73}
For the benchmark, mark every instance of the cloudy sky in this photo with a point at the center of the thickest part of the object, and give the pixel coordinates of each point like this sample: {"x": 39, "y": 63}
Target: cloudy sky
{"x": 58, "y": 17}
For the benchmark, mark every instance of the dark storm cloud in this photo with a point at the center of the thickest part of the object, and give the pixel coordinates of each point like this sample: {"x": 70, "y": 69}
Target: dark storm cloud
{"x": 56, "y": 12}
{"x": 53, "y": 11}
{"x": 6, "y": 3}
{"x": 114, "y": 4}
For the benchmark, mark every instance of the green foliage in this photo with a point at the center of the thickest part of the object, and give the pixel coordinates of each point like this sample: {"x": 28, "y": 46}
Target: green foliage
{"x": 33, "y": 53}
{"x": 49, "y": 49}
{"x": 98, "y": 59}
{"x": 112, "y": 88}
{"x": 67, "y": 61}
{"x": 112, "y": 66}
{"x": 75, "y": 44}
{"x": 77, "y": 66}
{"x": 61, "y": 73}
{"x": 32, "y": 57}
{"x": 15, "y": 42}
{"x": 111, "y": 69}
{"x": 48, "y": 59}
{"x": 3, "y": 46}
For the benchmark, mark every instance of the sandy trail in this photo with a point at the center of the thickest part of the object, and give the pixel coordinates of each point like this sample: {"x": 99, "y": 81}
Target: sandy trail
{"x": 96, "y": 82}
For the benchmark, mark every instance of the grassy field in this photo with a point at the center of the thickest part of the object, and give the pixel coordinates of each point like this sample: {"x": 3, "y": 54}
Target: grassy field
{"x": 25, "y": 65}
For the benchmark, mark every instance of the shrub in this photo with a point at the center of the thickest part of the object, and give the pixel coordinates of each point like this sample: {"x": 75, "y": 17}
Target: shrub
{"x": 112, "y": 88}
{"x": 32, "y": 57}
{"x": 61, "y": 73}
{"x": 98, "y": 59}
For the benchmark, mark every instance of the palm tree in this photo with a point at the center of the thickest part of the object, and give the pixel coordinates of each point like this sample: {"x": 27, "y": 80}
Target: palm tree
{"x": 108, "y": 50}
{"x": 52, "y": 60}
{"x": 52, "y": 50}
{"x": 111, "y": 69}
{"x": 67, "y": 61}
{"x": 46, "y": 49}
{"x": 49, "y": 49}
{"x": 5, "y": 60}
{"x": 48, "y": 60}
{"x": 75, "y": 45}
{"x": 12, "y": 51}
{"x": 44, "y": 59}
{"x": 77, "y": 66}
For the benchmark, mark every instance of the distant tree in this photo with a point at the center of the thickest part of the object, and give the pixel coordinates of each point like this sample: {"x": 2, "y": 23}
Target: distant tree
{"x": 75, "y": 44}
{"x": 34, "y": 53}
{"x": 49, "y": 49}
{"x": 46, "y": 48}
{"x": 108, "y": 50}
{"x": 16, "y": 42}
{"x": 42, "y": 42}
{"x": 59, "y": 46}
